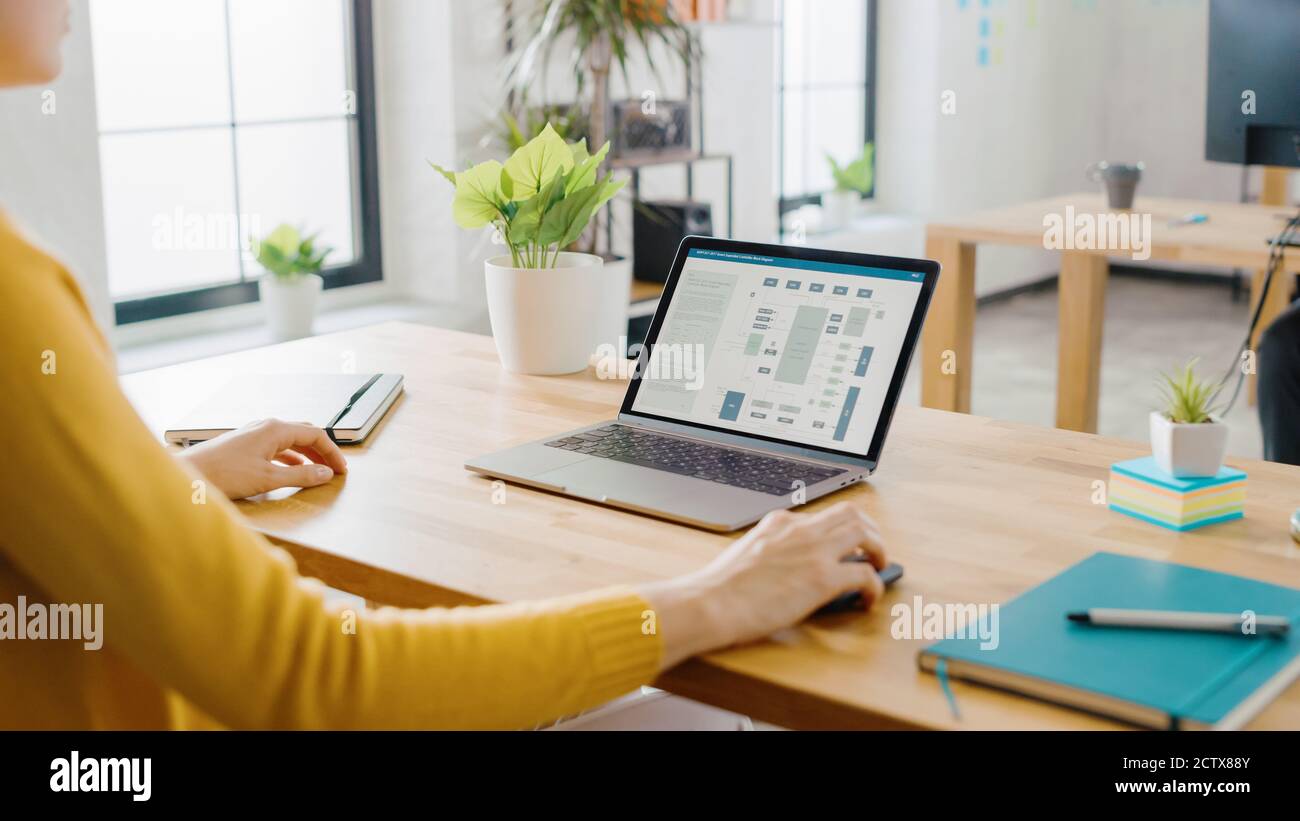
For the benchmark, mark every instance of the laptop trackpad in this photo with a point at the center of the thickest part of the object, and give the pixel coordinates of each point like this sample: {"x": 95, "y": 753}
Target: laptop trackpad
{"x": 604, "y": 479}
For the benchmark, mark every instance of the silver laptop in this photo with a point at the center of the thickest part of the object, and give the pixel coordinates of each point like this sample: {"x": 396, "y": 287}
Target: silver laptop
{"x": 768, "y": 379}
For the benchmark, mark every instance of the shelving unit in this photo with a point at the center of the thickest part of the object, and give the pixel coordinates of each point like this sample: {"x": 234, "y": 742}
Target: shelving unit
{"x": 686, "y": 158}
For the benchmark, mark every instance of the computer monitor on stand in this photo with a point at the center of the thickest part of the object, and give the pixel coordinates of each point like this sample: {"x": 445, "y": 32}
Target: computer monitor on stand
{"x": 1252, "y": 110}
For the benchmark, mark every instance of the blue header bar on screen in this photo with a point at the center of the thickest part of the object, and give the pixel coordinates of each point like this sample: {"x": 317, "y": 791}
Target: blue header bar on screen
{"x": 807, "y": 265}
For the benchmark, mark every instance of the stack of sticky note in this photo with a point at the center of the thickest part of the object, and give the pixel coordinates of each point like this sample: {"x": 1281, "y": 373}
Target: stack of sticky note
{"x": 1139, "y": 488}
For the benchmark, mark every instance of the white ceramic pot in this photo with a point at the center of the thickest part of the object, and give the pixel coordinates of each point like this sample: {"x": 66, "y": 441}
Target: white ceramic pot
{"x": 1188, "y": 451}
{"x": 546, "y": 321}
{"x": 290, "y": 304}
{"x": 839, "y": 208}
{"x": 616, "y": 295}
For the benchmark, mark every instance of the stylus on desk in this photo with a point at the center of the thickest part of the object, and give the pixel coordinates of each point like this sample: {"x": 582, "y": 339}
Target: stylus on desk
{"x": 1240, "y": 623}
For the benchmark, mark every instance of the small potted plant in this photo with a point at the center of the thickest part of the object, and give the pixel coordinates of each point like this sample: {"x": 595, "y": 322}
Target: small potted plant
{"x": 545, "y": 304}
{"x": 292, "y": 285}
{"x": 1188, "y": 439}
{"x": 852, "y": 183}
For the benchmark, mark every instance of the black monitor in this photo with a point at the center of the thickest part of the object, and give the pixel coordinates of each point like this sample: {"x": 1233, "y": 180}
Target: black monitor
{"x": 1254, "y": 67}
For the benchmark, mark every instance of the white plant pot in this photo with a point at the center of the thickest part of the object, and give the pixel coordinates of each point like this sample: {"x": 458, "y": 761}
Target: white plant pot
{"x": 616, "y": 295}
{"x": 1188, "y": 451}
{"x": 839, "y": 208}
{"x": 290, "y": 304}
{"x": 547, "y": 321}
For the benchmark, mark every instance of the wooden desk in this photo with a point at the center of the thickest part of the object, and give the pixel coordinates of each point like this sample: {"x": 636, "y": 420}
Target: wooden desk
{"x": 1235, "y": 236}
{"x": 976, "y": 510}
{"x": 642, "y": 290}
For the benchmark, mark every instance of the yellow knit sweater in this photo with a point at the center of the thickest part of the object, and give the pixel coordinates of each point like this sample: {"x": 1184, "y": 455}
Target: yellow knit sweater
{"x": 204, "y": 622}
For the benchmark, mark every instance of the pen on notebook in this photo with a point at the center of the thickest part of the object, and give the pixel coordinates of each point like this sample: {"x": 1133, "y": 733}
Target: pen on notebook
{"x": 1243, "y": 623}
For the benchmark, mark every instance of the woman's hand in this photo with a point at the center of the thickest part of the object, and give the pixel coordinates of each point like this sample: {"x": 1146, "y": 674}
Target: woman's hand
{"x": 789, "y": 565}
{"x": 265, "y": 456}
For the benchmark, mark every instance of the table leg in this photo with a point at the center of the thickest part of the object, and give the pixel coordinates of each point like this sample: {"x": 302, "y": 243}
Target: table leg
{"x": 1078, "y": 365}
{"x": 948, "y": 339}
{"x": 1276, "y": 302}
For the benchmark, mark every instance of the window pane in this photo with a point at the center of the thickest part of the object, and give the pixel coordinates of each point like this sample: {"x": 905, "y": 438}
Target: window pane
{"x": 794, "y": 24}
{"x": 299, "y": 173}
{"x": 836, "y": 45}
{"x": 169, "y": 211}
{"x": 825, "y": 42}
{"x": 796, "y": 142}
{"x": 817, "y": 123}
{"x": 289, "y": 58}
{"x": 160, "y": 63}
{"x": 835, "y": 126}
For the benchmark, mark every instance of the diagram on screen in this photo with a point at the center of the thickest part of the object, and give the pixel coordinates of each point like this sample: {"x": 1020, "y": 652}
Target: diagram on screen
{"x": 794, "y": 354}
{"x": 801, "y": 360}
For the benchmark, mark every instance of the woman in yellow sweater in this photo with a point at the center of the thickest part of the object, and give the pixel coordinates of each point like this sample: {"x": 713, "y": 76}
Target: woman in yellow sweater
{"x": 206, "y": 624}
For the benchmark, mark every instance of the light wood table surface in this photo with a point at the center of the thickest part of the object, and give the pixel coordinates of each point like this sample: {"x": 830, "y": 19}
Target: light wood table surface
{"x": 976, "y": 510}
{"x": 1234, "y": 236}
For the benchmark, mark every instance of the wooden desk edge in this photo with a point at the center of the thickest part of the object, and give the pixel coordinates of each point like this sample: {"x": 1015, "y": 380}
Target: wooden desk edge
{"x": 696, "y": 679}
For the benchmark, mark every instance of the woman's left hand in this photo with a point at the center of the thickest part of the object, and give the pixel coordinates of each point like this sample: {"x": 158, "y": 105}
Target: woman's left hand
{"x": 265, "y": 456}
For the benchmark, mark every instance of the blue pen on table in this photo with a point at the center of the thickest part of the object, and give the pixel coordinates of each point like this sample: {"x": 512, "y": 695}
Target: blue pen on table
{"x": 1189, "y": 219}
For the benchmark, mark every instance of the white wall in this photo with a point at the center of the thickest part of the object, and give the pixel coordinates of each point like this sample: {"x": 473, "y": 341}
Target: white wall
{"x": 1077, "y": 82}
{"x": 1157, "y": 59}
{"x": 1025, "y": 124}
{"x": 49, "y": 166}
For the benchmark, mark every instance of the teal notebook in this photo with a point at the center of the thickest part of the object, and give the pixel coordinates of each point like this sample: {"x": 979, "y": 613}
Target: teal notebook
{"x": 1162, "y": 679}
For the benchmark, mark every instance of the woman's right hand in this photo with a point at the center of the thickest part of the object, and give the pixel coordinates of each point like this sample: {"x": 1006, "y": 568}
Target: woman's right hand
{"x": 789, "y": 565}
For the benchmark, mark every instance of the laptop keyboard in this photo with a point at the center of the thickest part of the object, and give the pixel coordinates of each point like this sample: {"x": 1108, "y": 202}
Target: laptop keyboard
{"x": 726, "y": 466}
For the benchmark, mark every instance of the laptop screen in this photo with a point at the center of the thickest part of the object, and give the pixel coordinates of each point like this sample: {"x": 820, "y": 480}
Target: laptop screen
{"x": 796, "y": 350}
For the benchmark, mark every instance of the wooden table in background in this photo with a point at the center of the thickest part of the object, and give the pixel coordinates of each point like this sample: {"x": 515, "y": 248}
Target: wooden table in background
{"x": 977, "y": 511}
{"x": 642, "y": 290}
{"x": 1235, "y": 236}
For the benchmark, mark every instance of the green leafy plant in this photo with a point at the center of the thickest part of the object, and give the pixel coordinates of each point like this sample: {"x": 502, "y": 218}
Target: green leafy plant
{"x": 540, "y": 201}
{"x": 1187, "y": 399}
{"x": 859, "y": 175}
{"x": 287, "y": 254}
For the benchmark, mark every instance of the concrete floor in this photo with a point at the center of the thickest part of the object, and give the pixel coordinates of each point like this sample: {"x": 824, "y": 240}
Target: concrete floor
{"x": 1151, "y": 325}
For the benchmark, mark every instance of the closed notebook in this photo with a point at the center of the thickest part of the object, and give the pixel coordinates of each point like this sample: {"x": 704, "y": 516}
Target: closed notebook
{"x": 1163, "y": 679}
{"x": 347, "y": 406}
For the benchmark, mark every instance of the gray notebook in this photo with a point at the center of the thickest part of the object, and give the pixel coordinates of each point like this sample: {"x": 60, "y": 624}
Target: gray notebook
{"x": 347, "y": 406}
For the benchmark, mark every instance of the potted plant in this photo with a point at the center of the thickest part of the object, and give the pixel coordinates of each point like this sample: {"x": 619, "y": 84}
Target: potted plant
{"x": 1188, "y": 439}
{"x": 292, "y": 285}
{"x": 545, "y": 304}
{"x": 852, "y": 183}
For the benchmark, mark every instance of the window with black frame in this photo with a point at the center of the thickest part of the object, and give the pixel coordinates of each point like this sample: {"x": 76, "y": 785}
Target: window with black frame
{"x": 218, "y": 121}
{"x": 825, "y": 95}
